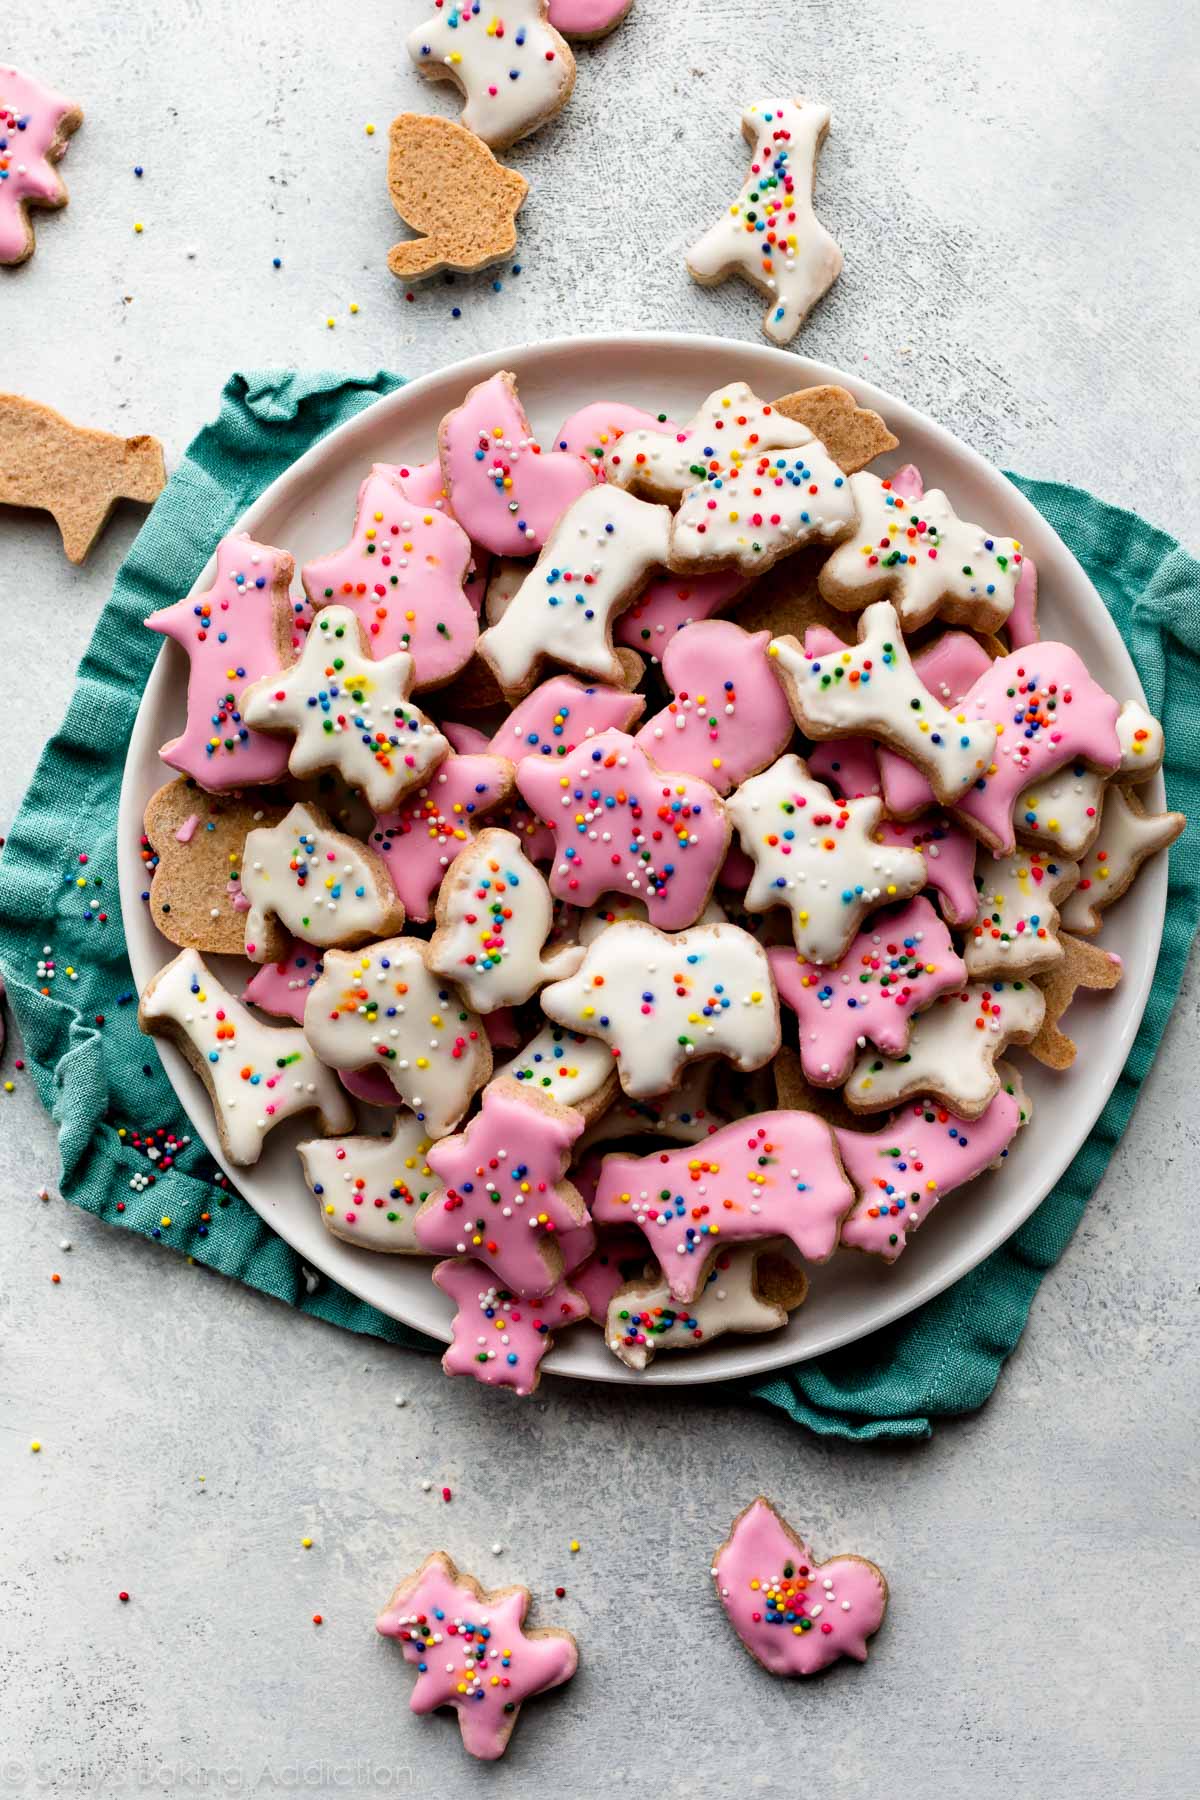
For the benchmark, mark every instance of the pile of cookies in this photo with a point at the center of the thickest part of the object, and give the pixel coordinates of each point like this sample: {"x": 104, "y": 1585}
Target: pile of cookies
{"x": 672, "y": 825}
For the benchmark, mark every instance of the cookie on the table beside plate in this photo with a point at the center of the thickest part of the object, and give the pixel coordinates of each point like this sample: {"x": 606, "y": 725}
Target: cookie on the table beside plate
{"x": 36, "y": 125}
{"x": 195, "y": 843}
{"x": 494, "y": 915}
{"x": 75, "y": 474}
{"x": 514, "y": 73}
{"x": 445, "y": 183}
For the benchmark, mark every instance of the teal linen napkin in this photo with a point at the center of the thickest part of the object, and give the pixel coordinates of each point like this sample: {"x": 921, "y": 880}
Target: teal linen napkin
{"x": 105, "y": 1086}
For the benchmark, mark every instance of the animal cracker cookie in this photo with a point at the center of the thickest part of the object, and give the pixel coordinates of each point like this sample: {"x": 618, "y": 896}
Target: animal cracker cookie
{"x": 594, "y": 563}
{"x": 436, "y": 822}
{"x": 852, "y": 434}
{"x": 662, "y": 1000}
{"x": 472, "y": 1651}
{"x": 747, "y": 1291}
{"x": 952, "y": 1051}
{"x": 346, "y": 712}
{"x": 36, "y": 125}
{"x": 494, "y": 915}
{"x": 257, "y": 1075}
{"x": 196, "y": 845}
{"x": 794, "y": 1614}
{"x": 1016, "y": 928}
{"x": 503, "y": 1197}
{"x": 622, "y": 825}
{"x": 567, "y": 1067}
{"x": 949, "y": 853}
{"x": 559, "y": 714}
{"x": 586, "y": 20}
{"x": 234, "y": 635}
{"x": 669, "y": 602}
{"x": 514, "y": 70}
{"x": 771, "y": 235}
{"x": 446, "y": 184}
{"x": 504, "y": 490}
{"x": 749, "y": 512}
{"x": 899, "y": 963}
{"x": 75, "y": 474}
{"x": 383, "y": 1007}
{"x": 369, "y": 1189}
{"x": 773, "y": 1174}
{"x": 1126, "y": 837}
{"x": 402, "y": 576}
{"x": 281, "y": 988}
{"x": 684, "y": 1115}
{"x": 308, "y": 881}
{"x": 728, "y": 718}
{"x": 949, "y": 667}
{"x": 592, "y": 430}
{"x": 730, "y": 427}
{"x": 1065, "y": 809}
{"x": 818, "y": 857}
{"x": 496, "y": 1336}
{"x": 1082, "y": 965}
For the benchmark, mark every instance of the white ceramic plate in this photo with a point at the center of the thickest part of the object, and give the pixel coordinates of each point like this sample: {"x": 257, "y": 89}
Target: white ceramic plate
{"x": 309, "y": 510}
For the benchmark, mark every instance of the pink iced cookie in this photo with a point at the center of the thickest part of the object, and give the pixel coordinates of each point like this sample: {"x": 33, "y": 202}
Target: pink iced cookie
{"x": 794, "y": 1614}
{"x": 370, "y": 1085}
{"x": 472, "y": 1651}
{"x": 499, "y": 1338}
{"x": 619, "y": 1256}
{"x": 402, "y": 576}
{"x": 848, "y": 766}
{"x": 898, "y": 964}
{"x": 594, "y": 429}
{"x": 729, "y": 717}
{"x": 671, "y": 601}
{"x": 623, "y": 826}
{"x": 949, "y": 852}
{"x": 35, "y": 124}
{"x": 421, "y": 837}
{"x": 422, "y": 482}
{"x": 504, "y": 490}
{"x": 281, "y": 988}
{"x": 468, "y": 740}
{"x": 773, "y": 1174}
{"x": 560, "y": 714}
{"x": 236, "y": 633}
{"x": 920, "y": 1156}
{"x": 949, "y": 667}
{"x": 590, "y": 19}
{"x": 503, "y": 1198}
{"x": 1049, "y": 711}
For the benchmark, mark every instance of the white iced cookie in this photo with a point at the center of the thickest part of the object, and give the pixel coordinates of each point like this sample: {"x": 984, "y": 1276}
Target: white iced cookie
{"x": 771, "y": 235}
{"x": 513, "y": 68}
{"x": 1127, "y": 836}
{"x": 731, "y": 426}
{"x": 952, "y": 1050}
{"x": 744, "y": 512}
{"x": 643, "y": 1318}
{"x": 870, "y": 689}
{"x": 684, "y": 1116}
{"x": 322, "y": 887}
{"x": 382, "y": 1007}
{"x": 494, "y": 915}
{"x": 369, "y": 1188}
{"x": 566, "y": 1066}
{"x": 922, "y": 554}
{"x": 257, "y": 1075}
{"x": 818, "y": 857}
{"x": 1064, "y": 809}
{"x": 593, "y": 565}
{"x": 614, "y": 909}
{"x": 348, "y": 713}
{"x": 662, "y": 999}
{"x": 1016, "y": 927}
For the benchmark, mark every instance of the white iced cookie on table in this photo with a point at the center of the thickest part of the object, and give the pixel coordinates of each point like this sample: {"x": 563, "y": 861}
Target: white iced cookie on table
{"x": 348, "y": 713}
{"x": 870, "y": 689}
{"x": 732, "y": 425}
{"x": 1016, "y": 927}
{"x": 1065, "y": 808}
{"x": 1128, "y": 835}
{"x": 565, "y": 1066}
{"x": 748, "y": 1290}
{"x": 771, "y": 235}
{"x": 494, "y": 915}
{"x": 818, "y": 857}
{"x": 952, "y": 1051}
{"x": 593, "y": 565}
{"x": 369, "y": 1189}
{"x": 744, "y": 511}
{"x": 383, "y": 1007}
{"x": 661, "y": 1000}
{"x": 257, "y": 1075}
{"x": 514, "y": 70}
{"x": 921, "y": 554}
{"x": 304, "y": 879}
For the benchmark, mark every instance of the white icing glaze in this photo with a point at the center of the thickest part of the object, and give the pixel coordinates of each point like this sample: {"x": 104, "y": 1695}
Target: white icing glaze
{"x": 1127, "y": 836}
{"x": 572, "y": 1069}
{"x": 1064, "y": 809}
{"x": 1016, "y": 927}
{"x": 659, "y": 999}
{"x": 771, "y": 234}
{"x": 732, "y": 425}
{"x": 368, "y": 1189}
{"x": 348, "y": 713}
{"x": 614, "y": 909}
{"x": 643, "y": 1318}
{"x": 513, "y": 67}
{"x": 817, "y": 857}
{"x": 322, "y": 886}
{"x": 748, "y": 511}
{"x": 684, "y": 1116}
{"x": 494, "y": 915}
{"x": 952, "y": 1050}
{"x": 257, "y": 1075}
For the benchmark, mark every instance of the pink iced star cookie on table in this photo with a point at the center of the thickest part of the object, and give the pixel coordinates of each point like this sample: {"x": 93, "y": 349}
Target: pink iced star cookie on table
{"x": 35, "y": 125}
{"x": 505, "y": 491}
{"x": 499, "y": 1338}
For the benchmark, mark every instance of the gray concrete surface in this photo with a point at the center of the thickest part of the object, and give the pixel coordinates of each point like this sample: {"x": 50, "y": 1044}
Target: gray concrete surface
{"x": 1015, "y": 194}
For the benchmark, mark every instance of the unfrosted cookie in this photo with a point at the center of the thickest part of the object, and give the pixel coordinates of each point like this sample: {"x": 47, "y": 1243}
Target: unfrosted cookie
{"x": 446, "y": 184}
{"x": 198, "y": 841}
{"x": 369, "y": 1189}
{"x": 1082, "y": 965}
{"x": 36, "y": 125}
{"x": 75, "y": 474}
{"x": 852, "y": 434}
{"x": 513, "y": 69}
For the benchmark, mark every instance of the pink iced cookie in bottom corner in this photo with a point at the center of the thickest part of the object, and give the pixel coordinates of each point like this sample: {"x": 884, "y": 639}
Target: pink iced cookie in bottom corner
{"x": 670, "y": 602}
{"x": 949, "y": 852}
{"x": 505, "y": 490}
{"x": 794, "y": 1614}
{"x": 281, "y": 988}
{"x": 497, "y": 1337}
{"x": 595, "y": 428}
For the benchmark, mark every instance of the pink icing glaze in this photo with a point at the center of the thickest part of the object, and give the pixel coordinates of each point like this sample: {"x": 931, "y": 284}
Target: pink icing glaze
{"x": 949, "y": 852}
{"x": 281, "y": 988}
{"x": 402, "y": 576}
{"x": 671, "y": 601}
{"x": 237, "y": 900}
{"x": 502, "y": 1029}
{"x": 843, "y": 1599}
{"x": 677, "y": 819}
{"x": 187, "y": 830}
{"x": 559, "y": 715}
{"x": 898, "y": 964}
{"x": 729, "y": 717}
{"x": 499, "y": 1175}
{"x": 468, "y": 740}
{"x": 1054, "y": 714}
{"x": 457, "y": 1662}
{"x": 920, "y": 1156}
{"x": 848, "y": 766}
{"x": 476, "y": 584}
{"x": 948, "y": 668}
{"x": 908, "y": 481}
{"x": 596, "y": 427}
{"x": 504, "y": 491}
{"x": 370, "y": 1085}
{"x": 30, "y": 115}
{"x": 590, "y": 19}
{"x": 421, "y": 837}
{"x": 497, "y": 1337}
{"x": 619, "y": 1256}
{"x": 230, "y": 635}
{"x": 578, "y": 1243}
{"x": 422, "y": 482}
{"x": 737, "y": 871}
{"x": 773, "y": 1174}
{"x": 1021, "y": 624}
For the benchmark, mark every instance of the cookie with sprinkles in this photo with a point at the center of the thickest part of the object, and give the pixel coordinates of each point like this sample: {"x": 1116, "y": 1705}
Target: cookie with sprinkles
{"x": 795, "y": 1615}
{"x": 1127, "y": 836}
{"x": 433, "y": 825}
{"x": 570, "y": 1068}
{"x": 1015, "y": 931}
{"x": 747, "y": 1291}
{"x": 952, "y": 1050}
{"x": 494, "y": 916}
{"x": 194, "y": 847}
{"x": 512, "y": 67}
{"x": 1065, "y": 808}
{"x": 949, "y": 853}
{"x": 497, "y": 1337}
{"x": 732, "y": 425}
{"x": 583, "y": 21}
{"x": 949, "y": 667}
{"x": 686, "y": 1115}
{"x": 281, "y": 988}
{"x": 369, "y": 1189}
{"x": 303, "y": 879}
{"x": 560, "y": 714}
{"x": 592, "y": 430}
{"x": 505, "y": 490}
{"x": 727, "y": 717}
{"x": 472, "y": 1651}
{"x": 36, "y": 125}
{"x": 771, "y": 235}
